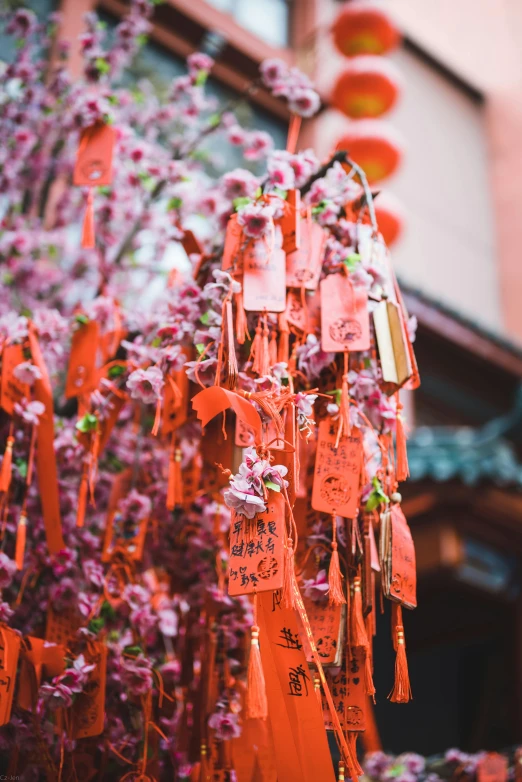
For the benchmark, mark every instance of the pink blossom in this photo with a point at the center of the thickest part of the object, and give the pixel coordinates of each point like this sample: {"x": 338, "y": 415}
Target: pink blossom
{"x": 237, "y": 135}
{"x": 136, "y": 675}
{"x": 146, "y": 384}
{"x": 304, "y": 101}
{"x": 168, "y": 622}
{"x": 27, "y": 372}
{"x": 30, "y": 412}
{"x": 256, "y": 219}
{"x": 239, "y": 184}
{"x": 225, "y": 724}
{"x": 75, "y": 677}
{"x": 57, "y": 696}
{"x": 273, "y": 71}
{"x": 7, "y": 570}
{"x": 281, "y": 175}
{"x": 258, "y": 145}
{"x": 198, "y": 61}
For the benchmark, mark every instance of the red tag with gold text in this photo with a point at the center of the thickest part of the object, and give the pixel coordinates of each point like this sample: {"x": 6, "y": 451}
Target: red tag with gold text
{"x": 125, "y": 534}
{"x": 233, "y": 242}
{"x": 264, "y": 287}
{"x": 244, "y": 434}
{"x": 61, "y": 625}
{"x": 82, "y": 375}
{"x": 12, "y": 390}
{"x": 345, "y": 322}
{"x": 290, "y": 222}
{"x": 303, "y": 312}
{"x": 94, "y": 158}
{"x": 492, "y": 768}
{"x": 337, "y": 471}
{"x": 257, "y": 560}
{"x": 303, "y": 267}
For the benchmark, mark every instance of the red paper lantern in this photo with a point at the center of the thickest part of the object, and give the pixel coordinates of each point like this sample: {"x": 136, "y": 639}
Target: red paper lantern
{"x": 362, "y": 28}
{"x": 390, "y": 218}
{"x": 374, "y": 146}
{"x": 367, "y": 87}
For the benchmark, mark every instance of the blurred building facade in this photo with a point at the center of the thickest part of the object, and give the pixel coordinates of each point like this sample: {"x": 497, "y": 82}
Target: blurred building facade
{"x": 461, "y": 188}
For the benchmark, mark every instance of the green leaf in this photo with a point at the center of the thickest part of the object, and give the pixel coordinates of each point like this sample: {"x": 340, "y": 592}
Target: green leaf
{"x": 214, "y": 120}
{"x": 81, "y": 319}
{"x": 201, "y": 78}
{"x": 116, "y": 371}
{"x": 377, "y": 495}
{"x": 133, "y": 649}
{"x": 205, "y": 318}
{"x": 107, "y": 611}
{"x": 241, "y": 202}
{"x": 259, "y": 192}
{"x": 87, "y": 424}
{"x": 114, "y": 100}
{"x": 281, "y": 193}
{"x": 95, "y": 625}
{"x": 141, "y": 39}
{"x": 317, "y": 210}
{"x": 351, "y": 261}
{"x": 337, "y": 393}
{"x": 273, "y": 486}
{"x": 156, "y": 342}
{"x": 102, "y": 66}
{"x": 174, "y": 203}
{"x": 200, "y": 347}
{"x": 22, "y": 467}
{"x": 104, "y": 190}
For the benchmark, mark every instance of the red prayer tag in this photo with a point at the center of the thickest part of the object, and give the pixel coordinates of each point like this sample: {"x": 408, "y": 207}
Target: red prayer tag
{"x": 82, "y": 375}
{"x": 348, "y": 690}
{"x": 9, "y": 652}
{"x": 290, "y": 223}
{"x": 326, "y": 625}
{"x": 492, "y": 768}
{"x": 124, "y": 534}
{"x": 264, "y": 285}
{"x": 244, "y": 434}
{"x": 88, "y": 710}
{"x": 398, "y": 558}
{"x": 233, "y": 242}
{"x": 175, "y": 401}
{"x": 94, "y": 158}
{"x": 303, "y": 267}
{"x": 257, "y": 561}
{"x": 12, "y": 391}
{"x": 337, "y": 471}
{"x": 61, "y": 625}
{"x": 345, "y": 323}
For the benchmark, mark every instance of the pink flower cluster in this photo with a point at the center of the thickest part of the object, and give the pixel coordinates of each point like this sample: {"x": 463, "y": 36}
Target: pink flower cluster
{"x": 248, "y": 490}
{"x": 292, "y": 84}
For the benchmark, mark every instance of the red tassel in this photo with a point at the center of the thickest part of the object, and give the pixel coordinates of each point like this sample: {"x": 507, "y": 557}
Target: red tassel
{"x": 283, "y": 350}
{"x": 242, "y": 333}
{"x": 335, "y": 577}
{"x": 401, "y": 692}
{"x": 256, "y": 702}
{"x": 82, "y": 499}
{"x": 232, "y": 367}
{"x": 88, "y": 222}
{"x": 272, "y": 349}
{"x": 21, "y": 534}
{"x": 289, "y": 576}
{"x": 357, "y": 630}
{"x": 6, "y": 472}
{"x": 157, "y": 419}
{"x": 174, "y": 484}
{"x": 402, "y": 469}
{"x": 368, "y": 676}
{"x": 265, "y": 352}
{"x": 255, "y": 350}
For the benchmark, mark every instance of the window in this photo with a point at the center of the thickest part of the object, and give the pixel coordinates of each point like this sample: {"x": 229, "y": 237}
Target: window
{"x": 268, "y": 19}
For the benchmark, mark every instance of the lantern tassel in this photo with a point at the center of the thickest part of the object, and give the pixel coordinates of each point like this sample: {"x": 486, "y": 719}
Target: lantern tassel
{"x": 6, "y": 472}
{"x": 402, "y": 470}
{"x": 401, "y": 692}
{"x": 335, "y": 577}
{"x": 256, "y": 702}
{"x": 174, "y": 483}
{"x": 88, "y": 222}
{"x": 358, "y": 630}
{"x": 242, "y": 333}
{"x": 255, "y": 350}
{"x": 82, "y": 500}
{"x": 283, "y": 350}
{"x": 272, "y": 349}
{"x": 21, "y": 534}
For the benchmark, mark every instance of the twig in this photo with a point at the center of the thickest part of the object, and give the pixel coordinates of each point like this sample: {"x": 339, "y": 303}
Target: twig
{"x": 342, "y": 156}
